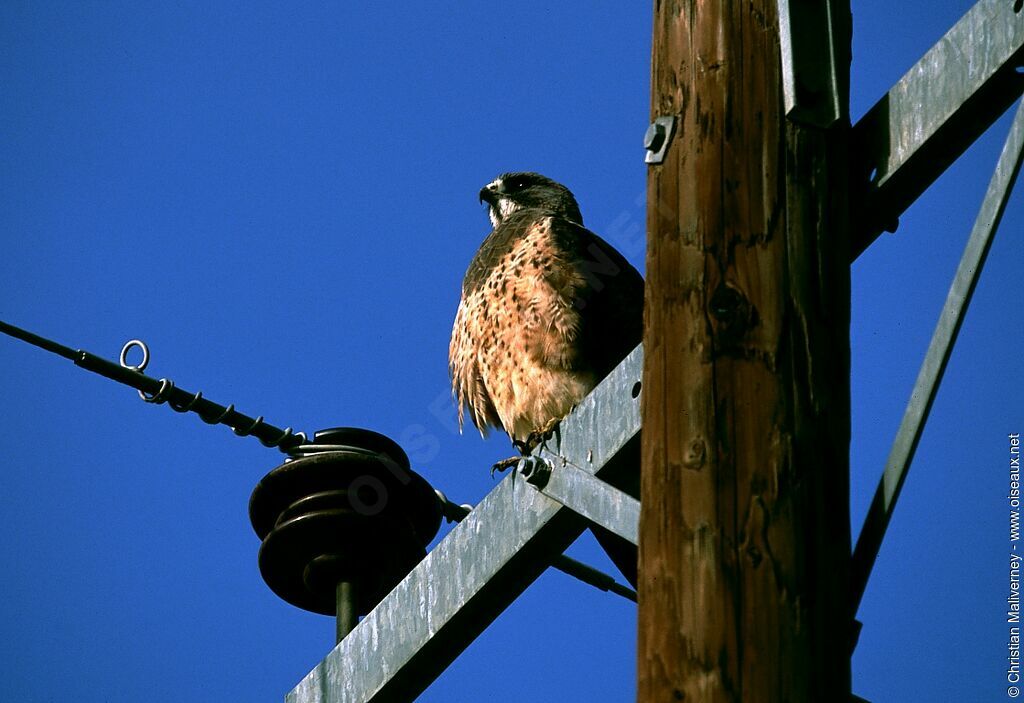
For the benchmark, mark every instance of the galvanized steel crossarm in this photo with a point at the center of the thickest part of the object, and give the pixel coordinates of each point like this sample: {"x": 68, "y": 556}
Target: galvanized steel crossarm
{"x": 480, "y": 567}
{"x": 939, "y": 350}
{"x": 935, "y": 111}
{"x": 594, "y": 499}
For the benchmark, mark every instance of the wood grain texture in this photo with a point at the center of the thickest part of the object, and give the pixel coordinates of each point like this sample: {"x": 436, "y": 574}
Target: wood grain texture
{"x": 744, "y": 532}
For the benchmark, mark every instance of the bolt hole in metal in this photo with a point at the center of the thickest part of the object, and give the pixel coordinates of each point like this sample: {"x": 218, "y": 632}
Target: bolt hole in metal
{"x": 636, "y": 390}
{"x": 1017, "y": 8}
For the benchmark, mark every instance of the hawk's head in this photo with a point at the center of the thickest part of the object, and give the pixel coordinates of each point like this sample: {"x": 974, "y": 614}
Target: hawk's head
{"x": 515, "y": 191}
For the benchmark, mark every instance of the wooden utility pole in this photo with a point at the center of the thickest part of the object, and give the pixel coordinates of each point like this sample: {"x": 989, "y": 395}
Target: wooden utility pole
{"x": 744, "y": 531}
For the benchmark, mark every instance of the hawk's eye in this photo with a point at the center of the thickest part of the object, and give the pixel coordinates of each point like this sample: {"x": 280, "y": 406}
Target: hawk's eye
{"x": 518, "y": 183}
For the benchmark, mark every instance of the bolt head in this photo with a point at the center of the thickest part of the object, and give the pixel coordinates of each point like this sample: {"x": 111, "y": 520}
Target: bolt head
{"x": 654, "y": 137}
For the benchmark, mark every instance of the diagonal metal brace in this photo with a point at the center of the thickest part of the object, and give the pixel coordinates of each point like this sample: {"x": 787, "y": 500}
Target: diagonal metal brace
{"x": 585, "y": 494}
{"x": 933, "y": 113}
{"x": 939, "y": 351}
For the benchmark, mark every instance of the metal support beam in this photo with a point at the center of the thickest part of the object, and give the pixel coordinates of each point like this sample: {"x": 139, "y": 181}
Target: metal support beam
{"x": 810, "y": 82}
{"x": 482, "y": 565}
{"x": 939, "y": 350}
{"x": 593, "y": 577}
{"x": 589, "y": 496}
{"x": 938, "y": 109}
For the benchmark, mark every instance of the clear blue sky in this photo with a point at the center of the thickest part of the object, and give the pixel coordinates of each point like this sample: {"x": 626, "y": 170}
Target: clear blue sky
{"x": 281, "y": 200}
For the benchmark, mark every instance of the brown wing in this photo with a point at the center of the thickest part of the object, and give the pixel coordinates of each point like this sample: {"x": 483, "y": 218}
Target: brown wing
{"x": 609, "y": 302}
{"x": 468, "y": 385}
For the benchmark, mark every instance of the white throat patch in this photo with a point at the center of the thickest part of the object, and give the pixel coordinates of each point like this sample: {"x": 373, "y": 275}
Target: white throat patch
{"x": 504, "y": 208}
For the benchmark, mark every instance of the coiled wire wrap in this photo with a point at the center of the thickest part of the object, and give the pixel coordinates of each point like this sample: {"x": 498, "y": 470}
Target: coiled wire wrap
{"x": 209, "y": 412}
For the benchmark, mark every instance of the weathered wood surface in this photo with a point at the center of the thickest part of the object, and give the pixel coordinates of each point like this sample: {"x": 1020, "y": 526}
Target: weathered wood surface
{"x": 744, "y": 532}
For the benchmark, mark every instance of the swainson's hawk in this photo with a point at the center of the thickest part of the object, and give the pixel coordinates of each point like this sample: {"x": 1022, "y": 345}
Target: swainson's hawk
{"x": 548, "y": 308}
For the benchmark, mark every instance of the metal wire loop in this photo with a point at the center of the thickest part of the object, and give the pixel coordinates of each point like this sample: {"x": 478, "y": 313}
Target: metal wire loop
{"x": 161, "y": 395}
{"x": 187, "y": 406}
{"x": 128, "y": 346}
{"x": 165, "y": 386}
{"x": 249, "y": 430}
{"x": 220, "y": 418}
{"x": 277, "y": 442}
{"x": 308, "y": 449}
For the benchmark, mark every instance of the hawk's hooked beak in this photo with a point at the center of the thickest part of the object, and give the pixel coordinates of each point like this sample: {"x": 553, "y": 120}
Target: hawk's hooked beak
{"x": 490, "y": 192}
{"x": 499, "y": 205}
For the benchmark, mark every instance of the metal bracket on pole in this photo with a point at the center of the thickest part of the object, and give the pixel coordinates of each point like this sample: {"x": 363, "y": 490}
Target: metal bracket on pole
{"x": 809, "y": 80}
{"x": 934, "y": 365}
{"x": 657, "y": 138}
